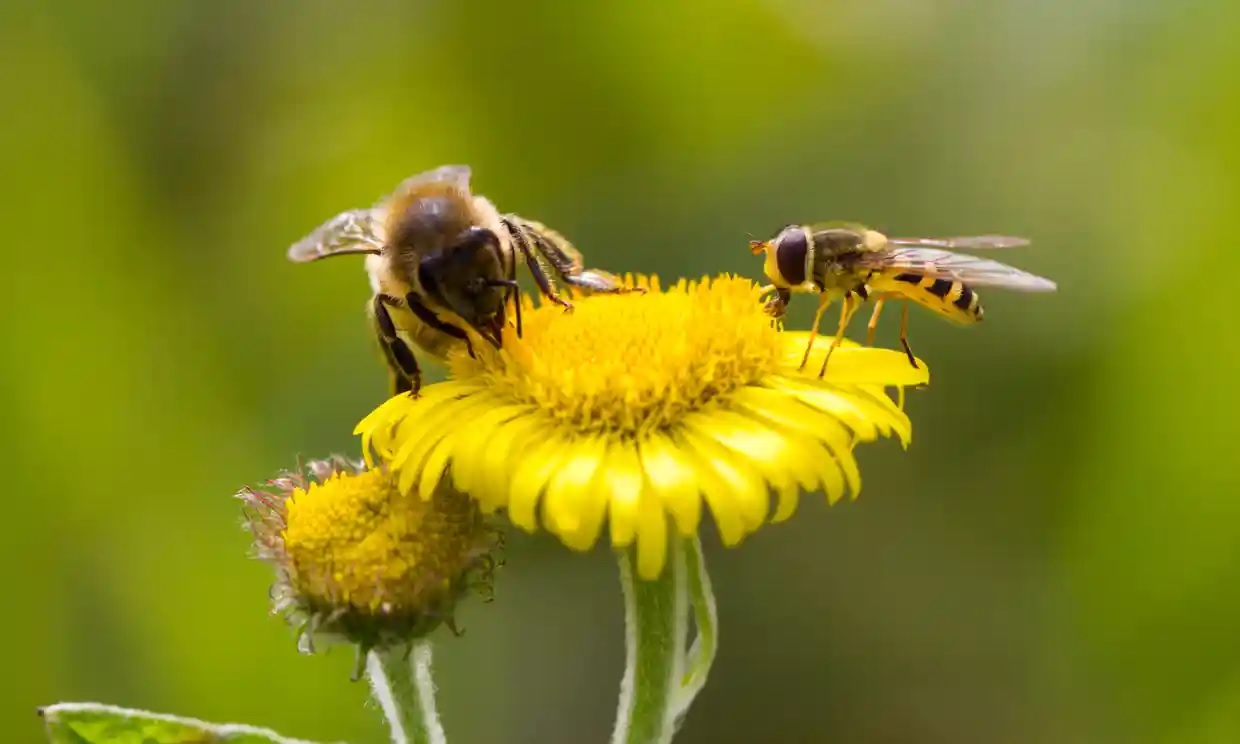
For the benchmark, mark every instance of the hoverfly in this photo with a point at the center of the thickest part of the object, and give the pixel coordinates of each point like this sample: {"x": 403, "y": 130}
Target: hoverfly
{"x": 442, "y": 263}
{"x": 852, "y": 262}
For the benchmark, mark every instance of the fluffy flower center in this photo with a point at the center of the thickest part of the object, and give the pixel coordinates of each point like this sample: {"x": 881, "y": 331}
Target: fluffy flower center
{"x": 355, "y": 540}
{"x": 633, "y": 362}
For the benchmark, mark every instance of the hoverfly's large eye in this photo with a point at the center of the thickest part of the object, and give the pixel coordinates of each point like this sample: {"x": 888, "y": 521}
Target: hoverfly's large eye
{"x": 757, "y": 247}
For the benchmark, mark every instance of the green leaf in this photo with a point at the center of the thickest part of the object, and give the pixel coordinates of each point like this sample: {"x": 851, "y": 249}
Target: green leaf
{"x": 95, "y": 723}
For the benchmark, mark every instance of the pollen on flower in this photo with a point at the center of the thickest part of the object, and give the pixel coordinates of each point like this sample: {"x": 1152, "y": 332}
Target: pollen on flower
{"x": 359, "y": 560}
{"x": 631, "y": 362}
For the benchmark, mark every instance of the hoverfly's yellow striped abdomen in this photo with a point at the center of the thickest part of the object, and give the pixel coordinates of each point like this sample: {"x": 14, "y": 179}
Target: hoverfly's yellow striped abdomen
{"x": 955, "y": 301}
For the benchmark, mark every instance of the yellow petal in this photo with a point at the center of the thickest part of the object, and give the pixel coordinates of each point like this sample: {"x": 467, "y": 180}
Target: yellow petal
{"x": 506, "y": 448}
{"x": 835, "y": 401}
{"x": 536, "y": 464}
{"x": 843, "y": 462}
{"x": 786, "y": 504}
{"x": 435, "y": 465}
{"x": 568, "y": 485}
{"x": 472, "y": 444}
{"x": 623, "y": 489}
{"x": 851, "y": 364}
{"x": 671, "y": 477}
{"x": 824, "y": 441}
{"x": 805, "y": 426}
{"x": 651, "y": 538}
{"x": 422, "y": 422}
{"x": 387, "y": 411}
{"x": 736, "y": 495}
{"x": 430, "y": 458}
{"x": 893, "y": 417}
{"x": 763, "y": 448}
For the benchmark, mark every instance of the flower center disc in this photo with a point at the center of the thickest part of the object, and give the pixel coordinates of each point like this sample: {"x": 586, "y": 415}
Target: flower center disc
{"x": 631, "y": 362}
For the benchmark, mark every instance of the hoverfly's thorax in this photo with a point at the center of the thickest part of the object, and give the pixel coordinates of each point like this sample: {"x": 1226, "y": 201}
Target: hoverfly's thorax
{"x": 835, "y": 243}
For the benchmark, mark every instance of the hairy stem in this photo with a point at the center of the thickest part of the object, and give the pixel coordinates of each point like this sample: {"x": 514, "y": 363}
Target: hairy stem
{"x": 401, "y": 681}
{"x": 706, "y": 620}
{"x": 656, "y": 623}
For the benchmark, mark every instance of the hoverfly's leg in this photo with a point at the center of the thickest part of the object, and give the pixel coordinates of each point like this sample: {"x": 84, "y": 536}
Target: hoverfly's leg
{"x": 777, "y": 306}
{"x": 534, "y": 263}
{"x": 824, "y": 300}
{"x": 846, "y": 313}
{"x": 904, "y": 336}
{"x": 872, "y": 326}
{"x": 406, "y": 374}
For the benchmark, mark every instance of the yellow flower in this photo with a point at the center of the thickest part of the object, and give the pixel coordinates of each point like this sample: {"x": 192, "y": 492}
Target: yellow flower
{"x": 358, "y": 560}
{"x": 633, "y": 409}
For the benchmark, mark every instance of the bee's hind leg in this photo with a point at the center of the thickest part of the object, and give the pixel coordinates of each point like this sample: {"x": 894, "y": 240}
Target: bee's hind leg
{"x": 595, "y": 280}
{"x": 565, "y": 260}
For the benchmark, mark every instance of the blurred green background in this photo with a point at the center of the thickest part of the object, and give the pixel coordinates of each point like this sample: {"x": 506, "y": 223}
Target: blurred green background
{"x": 1057, "y": 557}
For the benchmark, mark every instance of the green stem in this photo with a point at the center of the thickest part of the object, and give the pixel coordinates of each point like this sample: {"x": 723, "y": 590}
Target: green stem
{"x": 655, "y": 628}
{"x": 401, "y": 680}
{"x": 655, "y": 622}
{"x": 706, "y": 619}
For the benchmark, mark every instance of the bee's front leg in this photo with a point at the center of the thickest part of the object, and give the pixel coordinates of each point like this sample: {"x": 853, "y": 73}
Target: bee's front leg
{"x": 406, "y": 374}
{"x": 537, "y": 269}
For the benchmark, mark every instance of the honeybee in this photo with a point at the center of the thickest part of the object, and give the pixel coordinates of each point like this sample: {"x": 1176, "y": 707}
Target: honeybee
{"x": 442, "y": 263}
{"x": 852, "y": 262}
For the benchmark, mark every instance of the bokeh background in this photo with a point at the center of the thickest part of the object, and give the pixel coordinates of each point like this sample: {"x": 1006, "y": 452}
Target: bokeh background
{"x": 1057, "y": 557}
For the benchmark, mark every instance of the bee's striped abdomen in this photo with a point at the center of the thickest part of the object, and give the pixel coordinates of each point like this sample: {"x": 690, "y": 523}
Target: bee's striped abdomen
{"x": 954, "y": 300}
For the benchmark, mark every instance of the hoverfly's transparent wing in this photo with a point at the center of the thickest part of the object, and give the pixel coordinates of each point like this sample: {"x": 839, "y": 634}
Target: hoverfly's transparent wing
{"x": 956, "y": 267}
{"x": 963, "y": 243}
{"x": 355, "y": 231}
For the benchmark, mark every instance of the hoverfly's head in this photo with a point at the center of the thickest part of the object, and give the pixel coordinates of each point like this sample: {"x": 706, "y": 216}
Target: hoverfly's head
{"x": 786, "y": 254}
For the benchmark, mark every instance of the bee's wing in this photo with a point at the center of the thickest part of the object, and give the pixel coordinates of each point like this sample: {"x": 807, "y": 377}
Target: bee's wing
{"x": 355, "y": 231}
{"x": 964, "y": 242}
{"x": 454, "y": 175}
{"x": 957, "y": 267}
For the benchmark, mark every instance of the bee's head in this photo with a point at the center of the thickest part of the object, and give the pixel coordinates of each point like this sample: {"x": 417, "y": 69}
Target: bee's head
{"x": 468, "y": 277}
